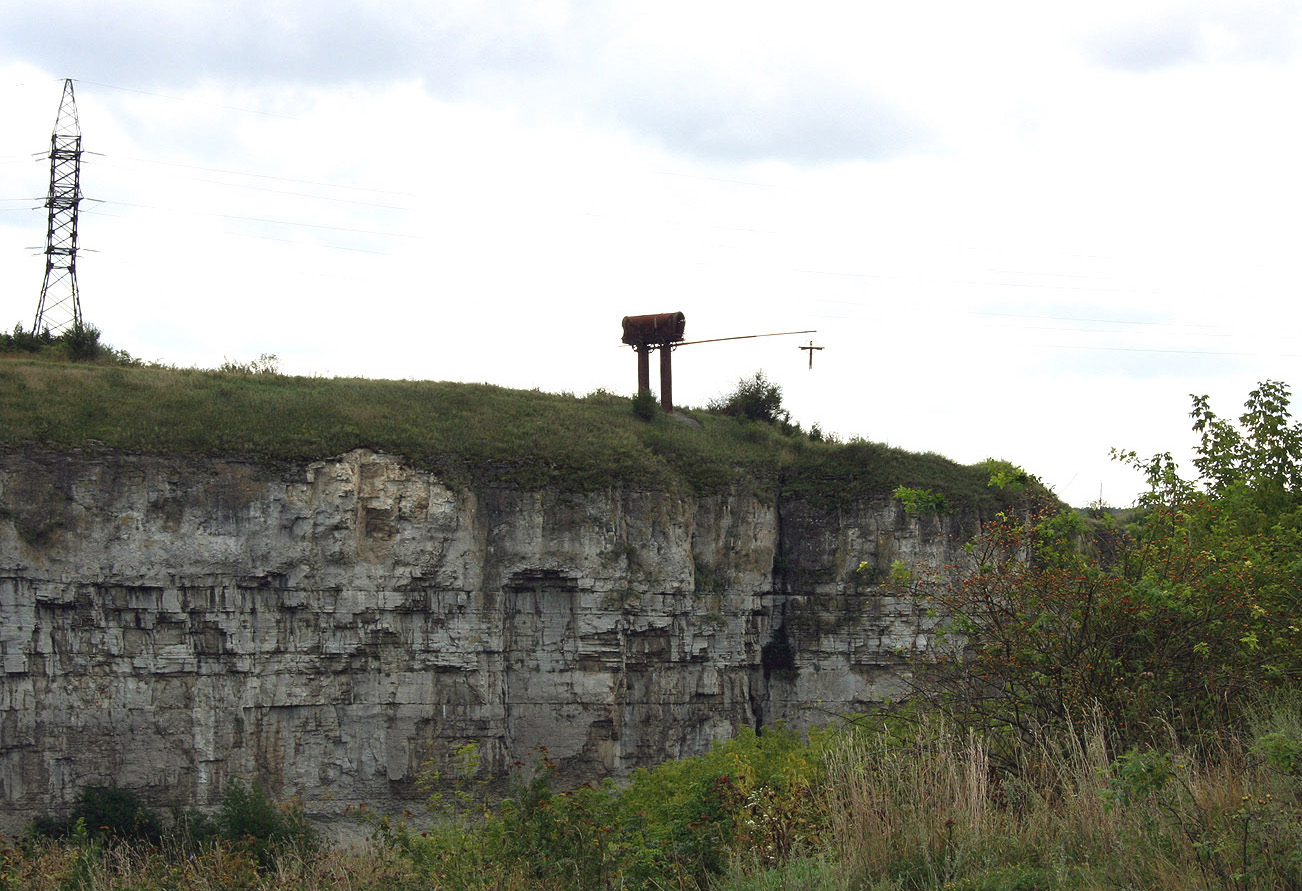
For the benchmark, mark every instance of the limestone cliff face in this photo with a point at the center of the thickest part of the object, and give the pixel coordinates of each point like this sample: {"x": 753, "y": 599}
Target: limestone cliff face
{"x": 169, "y": 624}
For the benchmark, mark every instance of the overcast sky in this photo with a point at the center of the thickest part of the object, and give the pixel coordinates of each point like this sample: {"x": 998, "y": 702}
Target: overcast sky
{"x": 1021, "y": 230}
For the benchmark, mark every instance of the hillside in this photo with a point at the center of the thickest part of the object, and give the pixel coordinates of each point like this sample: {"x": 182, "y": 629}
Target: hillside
{"x": 470, "y": 432}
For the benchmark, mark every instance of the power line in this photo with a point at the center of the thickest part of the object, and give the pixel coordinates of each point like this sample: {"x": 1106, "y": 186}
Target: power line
{"x": 270, "y": 114}
{"x": 1016, "y": 315}
{"x": 231, "y": 216}
{"x": 308, "y": 182}
{"x": 217, "y": 182}
{"x": 1059, "y": 346}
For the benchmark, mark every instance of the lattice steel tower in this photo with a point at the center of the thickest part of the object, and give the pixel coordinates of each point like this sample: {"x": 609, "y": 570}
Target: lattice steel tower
{"x": 60, "y": 306}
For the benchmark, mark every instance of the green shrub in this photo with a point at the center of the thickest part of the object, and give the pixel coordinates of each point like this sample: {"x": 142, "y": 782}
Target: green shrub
{"x": 920, "y": 501}
{"x": 80, "y": 343}
{"x": 267, "y": 363}
{"x": 645, "y": 406}
{"x": 250, "y": 818}
{"x": 679, "y": 825}
{"x": 21, "y": 341}
{"x": 755, "y": 399}
{"x": 104, "y": 812}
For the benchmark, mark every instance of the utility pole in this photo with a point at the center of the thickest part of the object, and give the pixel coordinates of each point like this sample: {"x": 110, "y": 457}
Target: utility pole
{"x": 60, "y": 307}
{"x": 811, "y": 349}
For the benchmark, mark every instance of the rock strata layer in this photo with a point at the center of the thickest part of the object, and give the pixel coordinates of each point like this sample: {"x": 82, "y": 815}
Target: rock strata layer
{"x": 169, "y": 624}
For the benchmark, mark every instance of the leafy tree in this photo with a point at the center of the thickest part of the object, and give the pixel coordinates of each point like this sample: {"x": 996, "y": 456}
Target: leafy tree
{"x": 1263, "y": 454}
{"x": 756, "y": 399}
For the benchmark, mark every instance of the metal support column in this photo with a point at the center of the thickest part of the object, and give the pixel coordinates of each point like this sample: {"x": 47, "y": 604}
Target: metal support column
{"x": 643, "y": 368}
{"x": 666, "y": 377}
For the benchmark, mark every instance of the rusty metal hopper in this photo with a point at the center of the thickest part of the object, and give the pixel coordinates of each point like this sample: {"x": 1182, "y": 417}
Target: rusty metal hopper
{"x": 655, "y": 329}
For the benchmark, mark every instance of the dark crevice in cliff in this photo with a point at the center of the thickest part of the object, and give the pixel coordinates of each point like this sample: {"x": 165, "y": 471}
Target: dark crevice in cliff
{"x": 777, "y": 656}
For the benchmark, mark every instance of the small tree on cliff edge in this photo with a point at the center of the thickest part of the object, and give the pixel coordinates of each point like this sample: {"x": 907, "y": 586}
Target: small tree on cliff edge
{"x": 756, "y": 399}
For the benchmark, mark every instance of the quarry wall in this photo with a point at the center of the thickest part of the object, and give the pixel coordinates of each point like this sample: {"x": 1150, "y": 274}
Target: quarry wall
{"x": 169, "y": 624}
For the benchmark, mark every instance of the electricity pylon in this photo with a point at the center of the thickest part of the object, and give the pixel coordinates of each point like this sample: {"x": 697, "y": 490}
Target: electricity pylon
{"x": 60, "y": 306}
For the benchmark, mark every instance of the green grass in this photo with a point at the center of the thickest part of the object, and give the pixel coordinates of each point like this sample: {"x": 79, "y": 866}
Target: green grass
{"x": 467, "y": 432}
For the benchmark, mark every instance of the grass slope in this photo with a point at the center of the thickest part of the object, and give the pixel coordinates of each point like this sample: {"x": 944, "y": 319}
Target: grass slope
{"x": 468, "y": 432}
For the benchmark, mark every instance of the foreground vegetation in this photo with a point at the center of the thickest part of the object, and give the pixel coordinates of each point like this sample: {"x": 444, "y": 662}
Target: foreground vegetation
{"x": 918, "y": 805}
{"x": 466, "y": 432}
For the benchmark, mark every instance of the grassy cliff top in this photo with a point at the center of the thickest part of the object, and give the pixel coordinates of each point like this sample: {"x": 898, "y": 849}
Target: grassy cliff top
{"x": 467, "y": 432}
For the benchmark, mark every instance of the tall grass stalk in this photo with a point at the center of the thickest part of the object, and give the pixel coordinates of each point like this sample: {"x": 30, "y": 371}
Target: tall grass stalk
{"x": 928, "y": 811}
{"x": 911, "y": 810}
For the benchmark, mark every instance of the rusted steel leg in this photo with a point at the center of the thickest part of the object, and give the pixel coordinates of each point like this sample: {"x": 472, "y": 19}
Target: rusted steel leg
{"x": 643, "y": 368}
{"x": 666, "y": 378}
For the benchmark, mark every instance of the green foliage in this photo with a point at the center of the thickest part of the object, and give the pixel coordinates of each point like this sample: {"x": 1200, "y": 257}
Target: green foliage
{"x": 679, "y": 825}
{"x": 920, "y": 501}
{"x": 1139, "y": 774}
{"x": 1262, "y": 454}
{"x": 80, "y": 343}
{"x": 1006, "y": 475}
{"x": 754, "y": 399}
{"x": 815, "y": 873}
{"x": 1281, "y": 751}
{"x": 1246, "y": 840}
{"x": 21, "y": 341}
{"x": 267, "y": 363}
{"x": 912, "y": 802}
{"x": 1192, "y": 614}
{"x": 645, "y": 406}
{"x": 103, "y": 812}
{"x": 249, "y": 818}
{"x": 816, "y": 434}
{"x": 1276, "y": 727}
{"x": 454, "y": 786}
{"x": 841, "y": 473}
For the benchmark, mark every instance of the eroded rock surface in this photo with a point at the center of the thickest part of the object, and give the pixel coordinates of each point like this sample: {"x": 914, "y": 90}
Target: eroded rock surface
{"x": 169, "y": 624}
